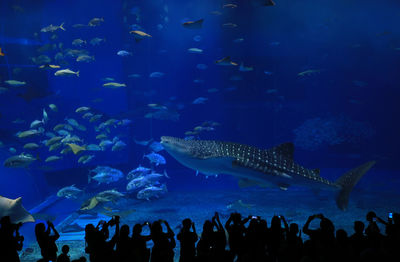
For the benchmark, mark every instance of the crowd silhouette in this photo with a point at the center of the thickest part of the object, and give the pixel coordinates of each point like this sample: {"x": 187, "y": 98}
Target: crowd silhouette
{"x": 248, "y": 239}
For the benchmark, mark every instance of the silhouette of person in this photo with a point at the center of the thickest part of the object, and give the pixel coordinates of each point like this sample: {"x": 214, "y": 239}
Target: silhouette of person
{"x": 95, "y": 238}
{"x": 372, "y": 228}
{"x": 342, "y": 247}
{"x": 276, "y": 236}
{"x": 47, "y": 241}
{"x": 219, "y": 240}
{"x": 164, "y": 243}
{"x": 358, "y": 240}
{"x": 64, "y": 257}
{"x": 374, "y": 236}
{"x": 10, "y": 244}
{"x": 294, "y": 246}
{"x": 392, "y": 241}
{"x": 140, "y": 252}
{"x": 91, "y": 241}
{"x": 263, "y": 233}
{"x": 109, "y": 253}
{"x": 124, "y": 245}
{"x": 252, "y": 240}
{"x": 235, "y": 228}
{"x": 206, "y": 244}
{"x": 323, "y": 238}
{"x": 211, "y": 246}
{"x": 188, "y": 241}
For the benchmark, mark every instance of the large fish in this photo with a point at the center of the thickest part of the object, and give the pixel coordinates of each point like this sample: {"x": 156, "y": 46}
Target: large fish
{"x": 19, "y": 161}
{"x": 193, "y": 24}
{"x": 254, "y": 166}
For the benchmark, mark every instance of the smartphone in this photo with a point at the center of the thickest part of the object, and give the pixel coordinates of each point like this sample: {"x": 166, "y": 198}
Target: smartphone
{"x": 390, "y": 215}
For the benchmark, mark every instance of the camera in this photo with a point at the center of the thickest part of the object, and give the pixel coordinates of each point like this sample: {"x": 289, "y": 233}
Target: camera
{"x": 390, "y": 215}
{"x": 254, "y": 217}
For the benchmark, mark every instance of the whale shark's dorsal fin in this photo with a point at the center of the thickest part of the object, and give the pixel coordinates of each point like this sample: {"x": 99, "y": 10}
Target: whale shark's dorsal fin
{"x": 285, "y": 149}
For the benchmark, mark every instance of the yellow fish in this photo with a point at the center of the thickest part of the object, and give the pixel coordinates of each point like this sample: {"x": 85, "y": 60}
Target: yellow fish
{"x": 193, "y": 24}
{"x": 1, "y": 53}
{"x": 89, "y": 204}
{"x": 114, "y": 84}
{"x": 139, "y": 35}
{"x": 101, "y": 136}
{"x": 226, "y": 61}
{"x": 28, "y": 133}
{"x": 49, "y": 66}
{"x": 75, "y": 148}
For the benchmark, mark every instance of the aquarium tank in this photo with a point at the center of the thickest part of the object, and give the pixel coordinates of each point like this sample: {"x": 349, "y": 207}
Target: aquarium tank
{"x": 174, "y": 109}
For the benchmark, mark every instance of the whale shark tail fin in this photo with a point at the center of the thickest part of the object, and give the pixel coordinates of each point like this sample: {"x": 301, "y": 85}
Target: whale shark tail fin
{"x": 348, "y": 181}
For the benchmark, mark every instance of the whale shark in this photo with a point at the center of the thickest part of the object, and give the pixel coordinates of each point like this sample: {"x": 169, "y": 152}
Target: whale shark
{"x": 274, "y": 167}
{"x": 14, "y": 209}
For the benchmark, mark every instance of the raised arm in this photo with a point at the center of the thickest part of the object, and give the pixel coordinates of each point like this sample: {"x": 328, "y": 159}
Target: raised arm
{"x": 228, "y": 222}
{"x": 306, "y": 230}
{"x": 194, "y": 231}
{"x": 218, "y": 223}
{"x": 115, "y": 238}
{"x": 285, "y": 223}
{"x": 116, "y": 226}
{"x": 56, "y": 234}
{"x": 245, "y": 220}
{"x": 380, "y": 220}
{"x": 169, "y": 228}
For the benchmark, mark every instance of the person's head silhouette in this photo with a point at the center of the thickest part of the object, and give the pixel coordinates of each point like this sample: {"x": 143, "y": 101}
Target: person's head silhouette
{"x": 186, "y": 223}
{"x": 359, "y": 227}
{"x": 124, "y": 231}
{"x": 65, "y": 249}
{"x": 137, "y": 229}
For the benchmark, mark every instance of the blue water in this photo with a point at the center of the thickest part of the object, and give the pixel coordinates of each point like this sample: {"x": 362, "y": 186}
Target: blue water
{"x": 340, "y": 114}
